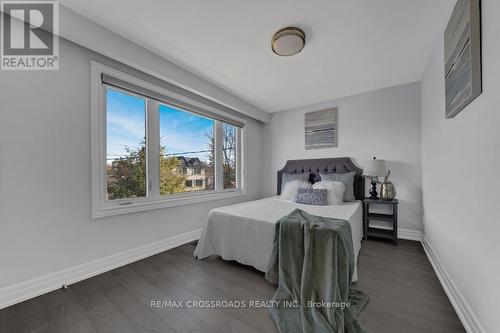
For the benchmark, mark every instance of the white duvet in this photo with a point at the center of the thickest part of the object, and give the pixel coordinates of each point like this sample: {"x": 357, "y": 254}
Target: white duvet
{"x": 245, "y": 232}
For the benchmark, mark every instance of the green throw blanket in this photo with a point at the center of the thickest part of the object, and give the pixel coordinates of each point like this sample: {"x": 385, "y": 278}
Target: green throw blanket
{"x": 312, "y": 262}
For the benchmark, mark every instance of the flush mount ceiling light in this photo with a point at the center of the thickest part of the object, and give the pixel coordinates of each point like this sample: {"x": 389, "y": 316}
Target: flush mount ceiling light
{"x": 288, "y": 41}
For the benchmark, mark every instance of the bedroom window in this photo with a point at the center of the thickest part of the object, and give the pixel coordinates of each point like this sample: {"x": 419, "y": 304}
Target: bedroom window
{"x": 187, "y": 142}
{"x": 126, "y": 145}
{"x": 154, "y": 148}
{"x": 229, "y": 134}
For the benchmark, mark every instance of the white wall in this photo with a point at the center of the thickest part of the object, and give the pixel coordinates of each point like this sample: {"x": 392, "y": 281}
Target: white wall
{"x": 383, "y": 123}
{"x": 460, "y": 166}
{"x": 45, "y": 194}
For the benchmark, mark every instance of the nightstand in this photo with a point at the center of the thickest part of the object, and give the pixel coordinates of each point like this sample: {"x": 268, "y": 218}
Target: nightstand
{"x": 374, "y": 232}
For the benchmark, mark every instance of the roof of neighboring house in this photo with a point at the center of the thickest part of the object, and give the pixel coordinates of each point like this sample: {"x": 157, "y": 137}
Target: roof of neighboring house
{"x": 190, "y": 162}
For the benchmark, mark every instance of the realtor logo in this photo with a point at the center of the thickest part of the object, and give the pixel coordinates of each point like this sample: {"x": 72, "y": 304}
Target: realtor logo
{"x": 29, "y": 35}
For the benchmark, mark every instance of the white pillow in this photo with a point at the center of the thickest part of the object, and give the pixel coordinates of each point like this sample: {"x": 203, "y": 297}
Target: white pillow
{"x": 290, "y": 190}
{"x": 334, "y": 191}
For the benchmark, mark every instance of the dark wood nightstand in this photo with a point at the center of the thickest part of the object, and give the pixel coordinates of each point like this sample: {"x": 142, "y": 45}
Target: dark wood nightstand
{"x": 369, "y": 231}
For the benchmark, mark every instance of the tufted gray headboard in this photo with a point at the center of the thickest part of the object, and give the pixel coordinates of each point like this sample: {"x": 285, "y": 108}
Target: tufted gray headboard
{"x": 325, "y": 165}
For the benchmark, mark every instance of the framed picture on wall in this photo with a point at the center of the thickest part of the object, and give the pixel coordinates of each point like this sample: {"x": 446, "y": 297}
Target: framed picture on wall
{"x": 462, "y": 48}
{"x": 321, "y": 129}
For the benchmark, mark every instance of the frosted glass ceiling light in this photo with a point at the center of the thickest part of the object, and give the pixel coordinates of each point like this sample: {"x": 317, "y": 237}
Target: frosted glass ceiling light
{"x": 288, "y": 41}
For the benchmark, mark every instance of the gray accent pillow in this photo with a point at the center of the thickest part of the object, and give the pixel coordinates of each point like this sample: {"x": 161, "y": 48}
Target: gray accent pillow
{"x": 309, "y": 196}
{"x": 346, "y": 178}
{"x": 288, "y": 177}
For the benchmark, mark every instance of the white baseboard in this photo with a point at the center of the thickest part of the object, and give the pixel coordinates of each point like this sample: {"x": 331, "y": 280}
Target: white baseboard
{"x": 409, "y": 234}
{"x": 35, "y": 287}
{"x": 464, "y": 311}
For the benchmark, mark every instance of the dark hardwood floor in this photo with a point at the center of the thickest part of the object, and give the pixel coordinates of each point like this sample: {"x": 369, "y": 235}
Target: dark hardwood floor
{"x": 405, "y": 297}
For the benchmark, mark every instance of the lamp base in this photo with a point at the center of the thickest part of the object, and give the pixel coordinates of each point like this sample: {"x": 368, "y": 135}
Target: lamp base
{"x": 373, "y": 191}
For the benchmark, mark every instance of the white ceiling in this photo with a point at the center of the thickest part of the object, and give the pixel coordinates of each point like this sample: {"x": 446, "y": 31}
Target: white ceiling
{"x": 352, "y": 45}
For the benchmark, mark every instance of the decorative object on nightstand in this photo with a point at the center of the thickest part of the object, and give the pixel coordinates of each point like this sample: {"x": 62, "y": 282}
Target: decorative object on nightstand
{"x": 375, "y": 232}
{"x": 374, "y": 169}
{"x": 387, "y": 189}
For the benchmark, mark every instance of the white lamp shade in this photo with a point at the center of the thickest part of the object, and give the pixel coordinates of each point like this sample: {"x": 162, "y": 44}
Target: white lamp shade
{"x": 375, "y": 168}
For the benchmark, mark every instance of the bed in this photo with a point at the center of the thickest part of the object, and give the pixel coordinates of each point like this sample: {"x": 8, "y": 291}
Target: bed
{"x": 245, "y": 232}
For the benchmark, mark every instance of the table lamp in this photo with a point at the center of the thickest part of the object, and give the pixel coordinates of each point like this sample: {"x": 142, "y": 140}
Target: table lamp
{"x": 373, "y": 169}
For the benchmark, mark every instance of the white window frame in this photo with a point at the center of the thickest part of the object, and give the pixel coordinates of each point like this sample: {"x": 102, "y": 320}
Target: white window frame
{"x": 101, "y": 206}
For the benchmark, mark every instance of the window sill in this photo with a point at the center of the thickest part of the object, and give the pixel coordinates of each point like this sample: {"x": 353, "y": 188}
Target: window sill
{"x": 165, "y": 203}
